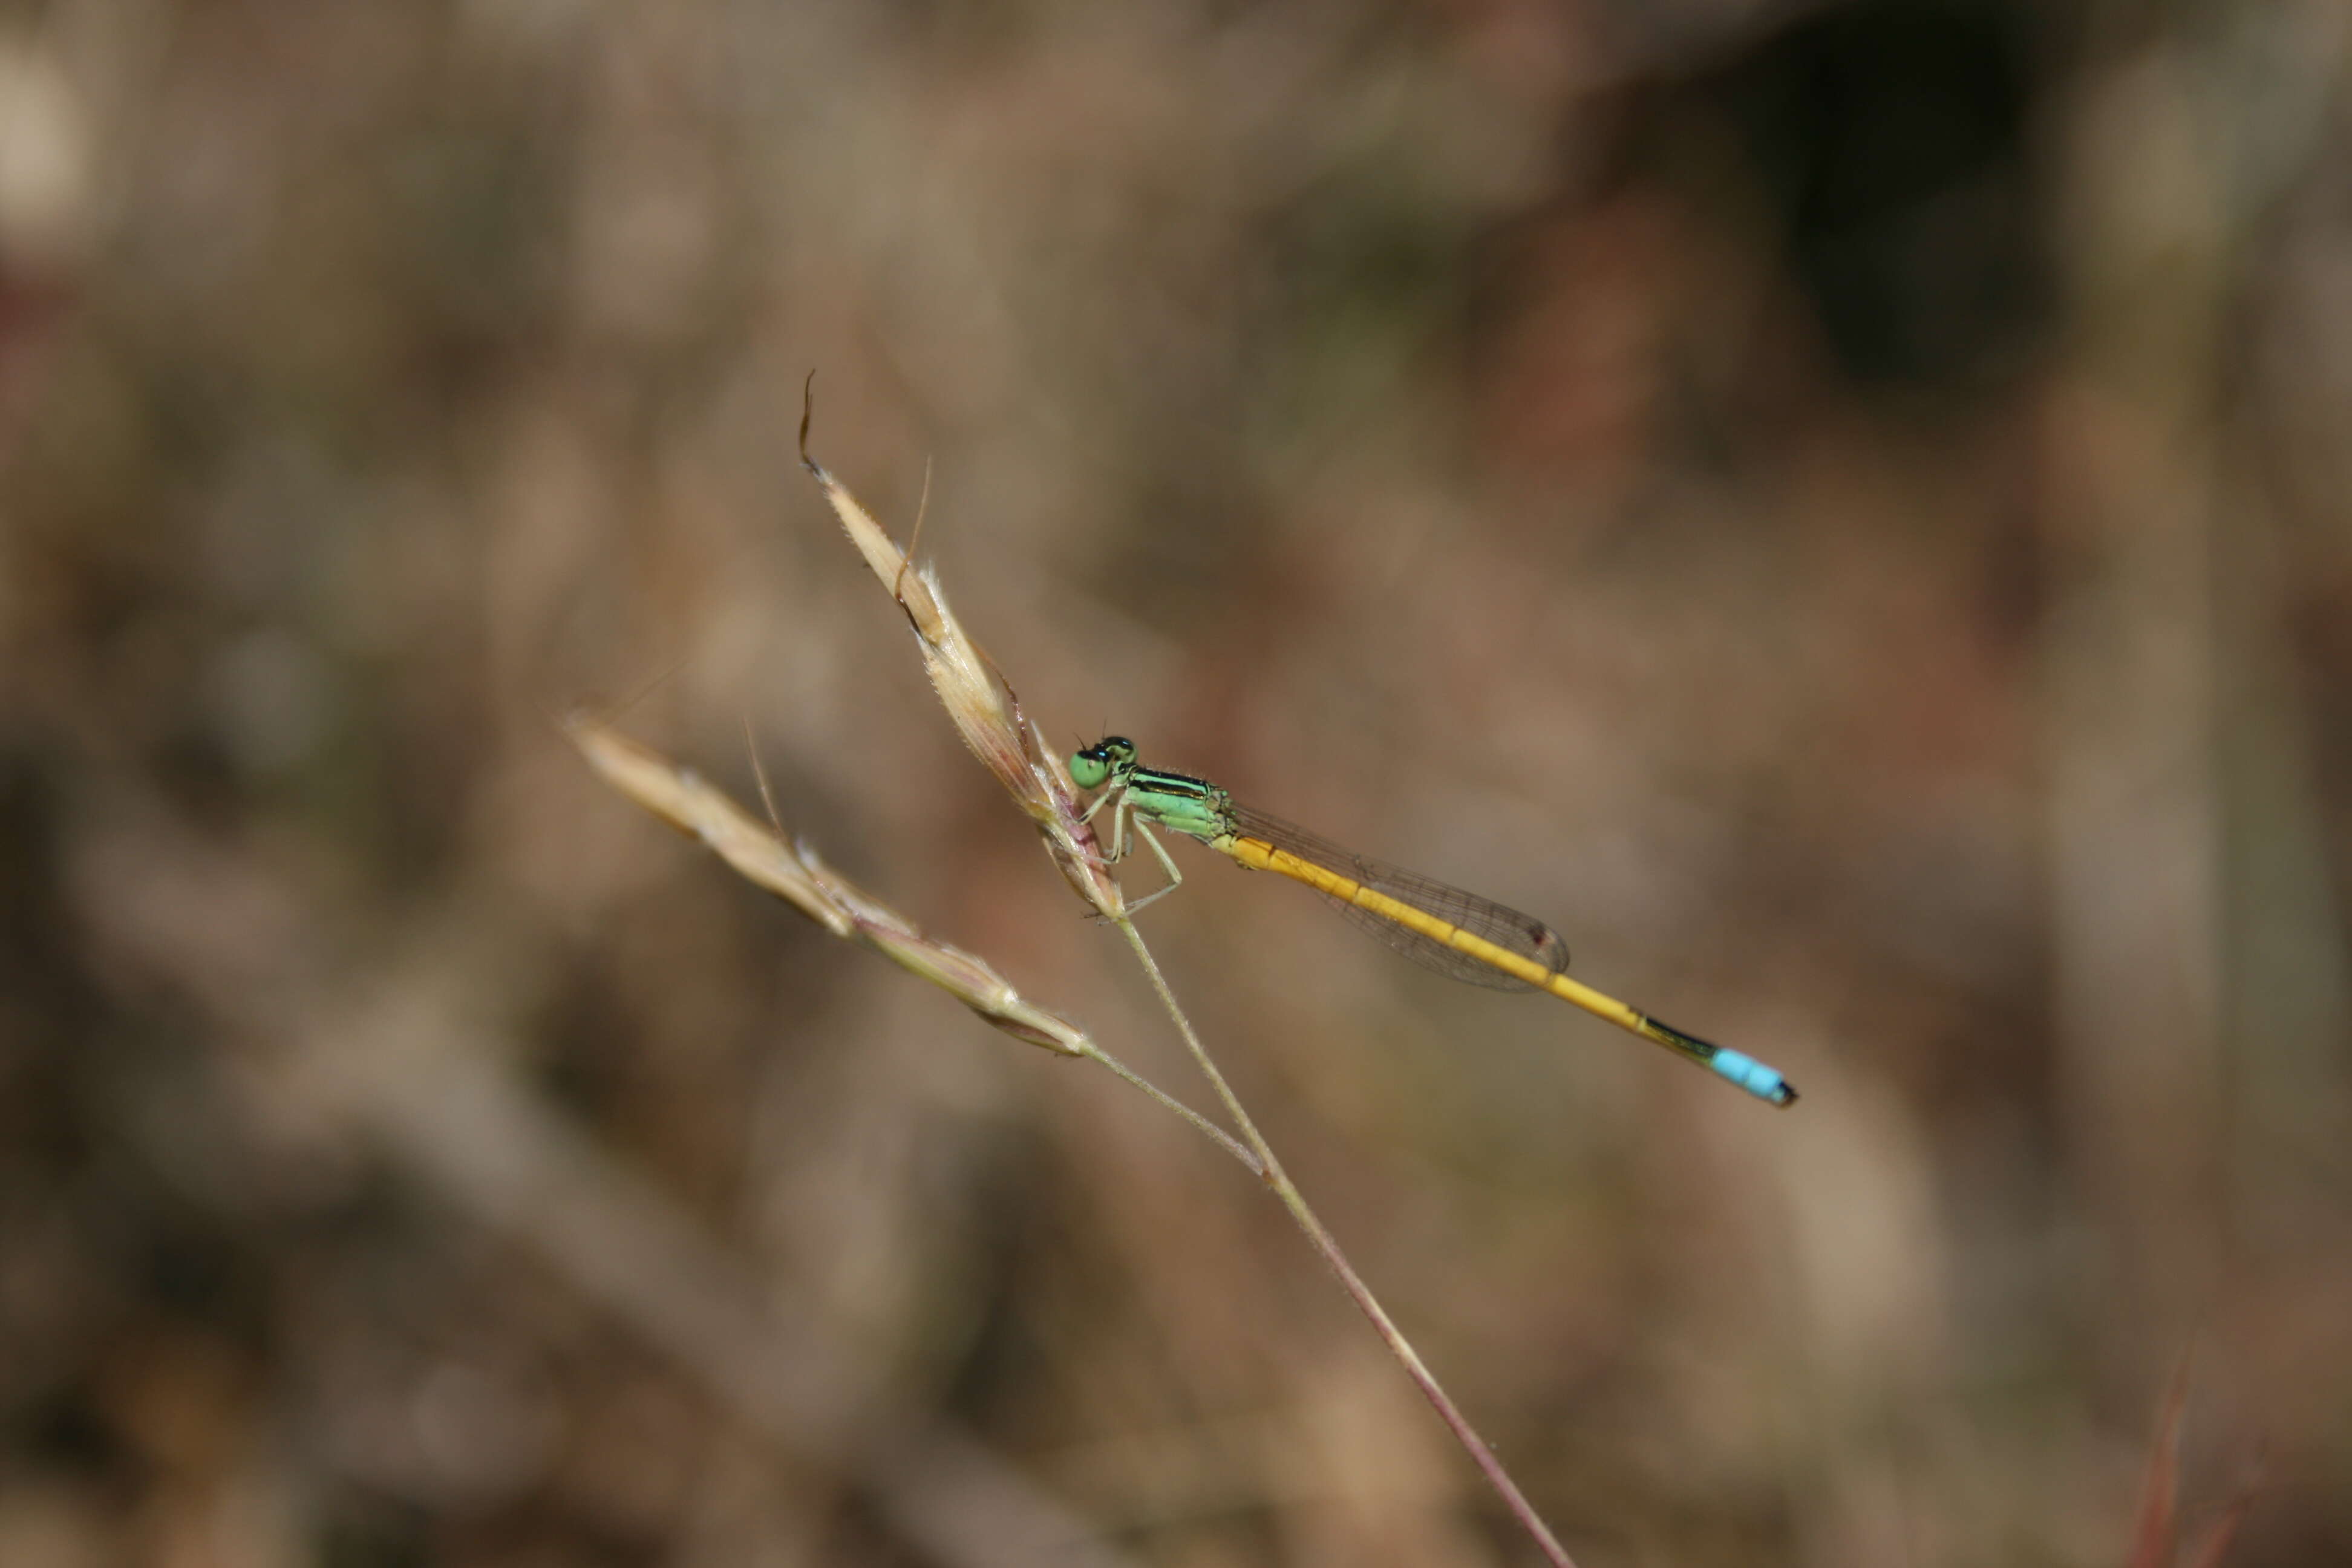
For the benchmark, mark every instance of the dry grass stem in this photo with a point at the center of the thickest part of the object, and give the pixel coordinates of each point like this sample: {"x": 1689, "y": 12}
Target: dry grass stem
{"x": 2157, "y": 1532}
{"x": 793, "y": 872}
{"x": 981, "y": 702}
{"x": 1295, "y": 1201}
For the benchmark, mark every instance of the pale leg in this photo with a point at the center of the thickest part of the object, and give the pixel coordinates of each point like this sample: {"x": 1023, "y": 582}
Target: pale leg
{"x": 1175, "y": 877}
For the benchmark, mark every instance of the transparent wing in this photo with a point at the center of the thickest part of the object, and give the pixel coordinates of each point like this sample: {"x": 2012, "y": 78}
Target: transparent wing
{"x": 1499, "y": 923}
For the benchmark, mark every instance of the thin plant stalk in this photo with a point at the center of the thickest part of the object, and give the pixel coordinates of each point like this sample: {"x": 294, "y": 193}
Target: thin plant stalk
{"x": 987, "y": 713}
{"x": 793, "y": 871}
{"x": 1275, "y": 1177}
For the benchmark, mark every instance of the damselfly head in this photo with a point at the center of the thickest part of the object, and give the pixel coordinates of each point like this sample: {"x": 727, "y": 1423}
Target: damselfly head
{"x": 1111, "y": 757}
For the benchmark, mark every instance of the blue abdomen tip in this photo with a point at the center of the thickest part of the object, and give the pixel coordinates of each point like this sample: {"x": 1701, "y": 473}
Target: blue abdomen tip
{"x": 1753, "y": 1076}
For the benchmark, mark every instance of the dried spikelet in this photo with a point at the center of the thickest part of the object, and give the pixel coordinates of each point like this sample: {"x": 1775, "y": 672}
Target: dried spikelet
{"x": 794, "y": 873}
{"x": 979, "y": 700}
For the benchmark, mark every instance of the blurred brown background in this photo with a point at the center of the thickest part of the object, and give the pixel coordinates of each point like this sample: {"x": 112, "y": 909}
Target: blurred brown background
{"x": 1841, "y": 508}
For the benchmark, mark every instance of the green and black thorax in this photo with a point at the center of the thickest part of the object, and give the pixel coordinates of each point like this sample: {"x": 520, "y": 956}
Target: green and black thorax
{"x": 1182, "y": 803}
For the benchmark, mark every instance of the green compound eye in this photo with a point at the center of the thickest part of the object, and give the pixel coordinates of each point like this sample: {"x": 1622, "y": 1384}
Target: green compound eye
{"x": 1093, "y": 767}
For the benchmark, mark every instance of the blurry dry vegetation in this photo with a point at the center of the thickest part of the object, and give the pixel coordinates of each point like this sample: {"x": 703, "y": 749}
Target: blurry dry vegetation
{"x": 1846, "y": 509}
